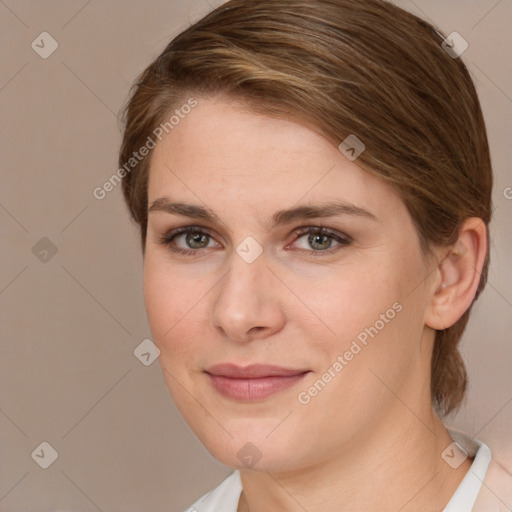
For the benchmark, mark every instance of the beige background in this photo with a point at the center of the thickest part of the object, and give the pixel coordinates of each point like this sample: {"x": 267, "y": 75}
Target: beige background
{"x": 70, "y": 324}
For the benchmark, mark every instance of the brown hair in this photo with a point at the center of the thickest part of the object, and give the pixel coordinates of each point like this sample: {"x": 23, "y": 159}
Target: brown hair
{"x": 363, "y": 67}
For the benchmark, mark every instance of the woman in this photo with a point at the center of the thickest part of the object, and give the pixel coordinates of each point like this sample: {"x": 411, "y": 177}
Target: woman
{"x": 313, "y": 184}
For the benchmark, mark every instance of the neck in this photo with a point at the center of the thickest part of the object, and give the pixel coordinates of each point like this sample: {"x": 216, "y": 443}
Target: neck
{"x": 395, "y": 467}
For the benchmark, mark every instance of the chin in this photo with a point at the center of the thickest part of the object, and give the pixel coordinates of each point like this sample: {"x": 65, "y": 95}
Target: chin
{"x": 251, "y": 447}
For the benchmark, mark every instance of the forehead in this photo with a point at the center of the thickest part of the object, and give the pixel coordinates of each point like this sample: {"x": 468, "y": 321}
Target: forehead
{"x": 221, "y": 153}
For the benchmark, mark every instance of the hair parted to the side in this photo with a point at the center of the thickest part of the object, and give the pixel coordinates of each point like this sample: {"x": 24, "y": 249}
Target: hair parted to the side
{"x": 363, "y": 67}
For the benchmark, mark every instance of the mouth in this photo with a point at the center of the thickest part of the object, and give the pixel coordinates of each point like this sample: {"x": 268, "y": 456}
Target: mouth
{"x": 254, "y": 382}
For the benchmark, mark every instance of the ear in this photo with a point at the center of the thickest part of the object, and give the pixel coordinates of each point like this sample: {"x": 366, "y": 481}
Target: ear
{"x": 458, "y": 275}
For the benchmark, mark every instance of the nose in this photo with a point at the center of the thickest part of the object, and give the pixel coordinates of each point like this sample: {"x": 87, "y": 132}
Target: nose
{"x": 247, "y": 305}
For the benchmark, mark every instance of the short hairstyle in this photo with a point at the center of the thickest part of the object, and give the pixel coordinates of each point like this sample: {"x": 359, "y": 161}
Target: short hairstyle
{"x": 362, "y": 67}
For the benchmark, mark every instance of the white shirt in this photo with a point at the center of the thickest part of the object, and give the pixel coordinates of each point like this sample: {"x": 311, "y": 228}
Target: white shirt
{"x": 473, "y": 493}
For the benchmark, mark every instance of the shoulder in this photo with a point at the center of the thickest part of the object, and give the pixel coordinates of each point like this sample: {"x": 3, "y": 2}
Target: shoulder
{"x": 223, "y": 498}
{"x": 489, "y": 480}
{"x": 496, "y": 492}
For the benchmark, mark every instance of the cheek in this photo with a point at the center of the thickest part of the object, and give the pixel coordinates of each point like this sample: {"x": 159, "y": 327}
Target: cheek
{"x": 366, "y": 312}
{"x": 349, "y": 300}
{"x": 172, "y": 303}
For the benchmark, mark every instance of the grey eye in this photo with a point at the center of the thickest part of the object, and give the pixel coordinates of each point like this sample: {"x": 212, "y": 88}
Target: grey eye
{"x": 319, "y": 242}
{"x": 197, "y": 240}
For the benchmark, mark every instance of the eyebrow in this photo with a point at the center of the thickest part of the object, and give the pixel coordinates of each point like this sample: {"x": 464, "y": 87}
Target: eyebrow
{"x": 281, "y": 217}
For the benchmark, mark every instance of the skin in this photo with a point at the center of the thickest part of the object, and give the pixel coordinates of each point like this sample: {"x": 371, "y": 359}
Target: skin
{"x": 370, "y": 439}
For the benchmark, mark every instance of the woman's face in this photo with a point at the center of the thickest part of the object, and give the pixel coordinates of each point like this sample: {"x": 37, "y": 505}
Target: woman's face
{"x": 334, "y": 322}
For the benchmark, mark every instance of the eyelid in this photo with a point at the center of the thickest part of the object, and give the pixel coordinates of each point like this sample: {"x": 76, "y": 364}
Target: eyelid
{"x": 321, "y": 230}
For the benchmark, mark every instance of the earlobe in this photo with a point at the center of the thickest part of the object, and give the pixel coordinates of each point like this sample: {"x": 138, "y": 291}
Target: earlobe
{"x": 458, "y": 275}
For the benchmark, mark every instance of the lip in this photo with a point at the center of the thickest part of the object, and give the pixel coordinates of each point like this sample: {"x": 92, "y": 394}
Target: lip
{"x": 253, "y": 382}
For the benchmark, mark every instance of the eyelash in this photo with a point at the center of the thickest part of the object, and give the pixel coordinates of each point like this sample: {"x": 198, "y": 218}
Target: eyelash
{"x": 342, "y": 239}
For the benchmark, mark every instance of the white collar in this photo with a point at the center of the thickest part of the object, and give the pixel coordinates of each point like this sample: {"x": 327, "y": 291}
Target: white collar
{"x": 464, "y": 497}
{"x": 224, "y": 498}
